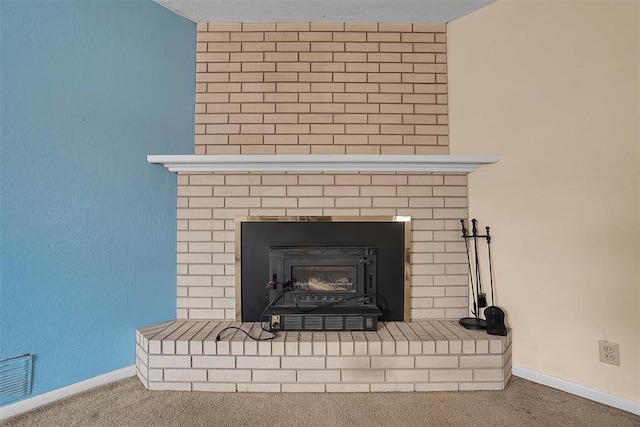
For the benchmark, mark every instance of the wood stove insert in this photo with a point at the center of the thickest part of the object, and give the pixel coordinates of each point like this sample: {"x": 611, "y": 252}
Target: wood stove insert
{"x": 331, "y": 274}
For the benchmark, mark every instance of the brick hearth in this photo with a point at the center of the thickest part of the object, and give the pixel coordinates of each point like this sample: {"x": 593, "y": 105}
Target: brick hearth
{"x": 416, "y": 356}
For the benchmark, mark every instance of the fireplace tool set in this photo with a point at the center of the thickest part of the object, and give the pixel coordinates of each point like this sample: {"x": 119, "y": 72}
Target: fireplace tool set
{"x": 494, "y": 323}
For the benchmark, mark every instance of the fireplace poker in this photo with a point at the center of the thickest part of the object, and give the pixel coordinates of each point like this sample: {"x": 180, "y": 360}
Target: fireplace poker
{"x": 482, "y": 298}
{"x": 493, "y": 299}
{"x": 466, "y": 245}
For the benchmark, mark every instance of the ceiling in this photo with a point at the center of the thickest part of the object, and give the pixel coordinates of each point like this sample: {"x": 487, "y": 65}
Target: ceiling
{"x": 432, "y": 11}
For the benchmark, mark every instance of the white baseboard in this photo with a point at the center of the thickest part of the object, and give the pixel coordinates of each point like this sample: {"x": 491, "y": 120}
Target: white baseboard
{"x": 61, "y": 393}
{"x": 578, "y": 389}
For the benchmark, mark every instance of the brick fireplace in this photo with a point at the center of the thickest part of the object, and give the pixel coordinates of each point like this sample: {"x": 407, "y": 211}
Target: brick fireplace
{"x": 314, "y": 89}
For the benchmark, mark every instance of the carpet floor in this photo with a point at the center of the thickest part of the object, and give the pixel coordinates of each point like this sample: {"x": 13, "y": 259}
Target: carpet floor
{"x": 127, "y": 403}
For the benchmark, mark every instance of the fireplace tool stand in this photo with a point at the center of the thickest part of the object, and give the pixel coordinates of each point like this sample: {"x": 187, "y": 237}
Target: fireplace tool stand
{"x": 478, "y": 295}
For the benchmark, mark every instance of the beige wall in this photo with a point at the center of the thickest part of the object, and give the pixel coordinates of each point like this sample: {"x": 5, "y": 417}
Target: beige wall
{"x": 553, "y": 88}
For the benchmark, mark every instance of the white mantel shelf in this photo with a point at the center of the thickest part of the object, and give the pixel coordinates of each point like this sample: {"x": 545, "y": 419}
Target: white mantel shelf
{"x": 321, "y": 163}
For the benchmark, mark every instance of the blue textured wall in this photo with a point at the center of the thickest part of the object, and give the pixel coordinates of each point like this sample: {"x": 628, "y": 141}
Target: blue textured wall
{"x": 87, "y": 227}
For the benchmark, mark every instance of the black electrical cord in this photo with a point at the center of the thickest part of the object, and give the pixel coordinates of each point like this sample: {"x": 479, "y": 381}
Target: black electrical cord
{"x": 273, "y": 334}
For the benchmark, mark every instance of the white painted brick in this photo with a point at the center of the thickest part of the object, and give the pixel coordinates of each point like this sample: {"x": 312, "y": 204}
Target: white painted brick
{"x": 250, "y": 347}
{"x": 448, "y": 375}
{"x": 478, "y": 361}
{"x": 291, "y": 348}
{"x": 346, "y": 348}
{"x": 179, "y": 375}
{"x": 170, "y": 361}
{"x": 155, "y": 375}
{"x": 496, "y": 346}
{"x": 406, "y": 375}
{"x": 354, "y": 362}
{"x": 362, "y": 375}
{"x": 319, "y": 348}
{"x": 302, "y": 362}
{"x": 258, "y": 362}
{"x": 436, "y": 386}
{"x": 347, "y": 388}
{"x": 277, "y": 348}
{"x": 237, "y": 347}
{"x": 170, "y": 386}
{"x": 261, "y": 388}
{"x": 333, "y": 348}
{"x": 436, "y": 361}
{"x": 168, "y": 347}
{"x": 221, "y": 387}
{"x": 155, "y": 347}
{"x": 388, "y": 347}
{"x": 323, "y": 376}
{"x": 398, "y": 362}
{"x": 304, "y": 348}
{"x": 375, "y": 348}
{"x": 485, "y": 375}
{"x": 389, "y": 387}
{"x": 274, "y": 376}
{"x": 229, "y": 375}
{"x": 302, "y": 388}
{"x": 264, "y": 348}
{"x": 213, "y": 361}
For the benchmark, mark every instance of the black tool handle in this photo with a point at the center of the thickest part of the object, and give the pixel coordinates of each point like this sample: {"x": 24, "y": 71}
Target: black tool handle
{"x": 474, "y": 230}
{"x": 488, "y": 235}
{"x": 464, "y": 230}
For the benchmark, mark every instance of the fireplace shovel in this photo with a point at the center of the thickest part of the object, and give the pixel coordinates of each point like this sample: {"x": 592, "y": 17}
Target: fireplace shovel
{"x": 493, "y": 314}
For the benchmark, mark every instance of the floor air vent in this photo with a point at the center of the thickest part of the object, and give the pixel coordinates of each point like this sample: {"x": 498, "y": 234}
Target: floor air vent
{"x": 15, "y": 378}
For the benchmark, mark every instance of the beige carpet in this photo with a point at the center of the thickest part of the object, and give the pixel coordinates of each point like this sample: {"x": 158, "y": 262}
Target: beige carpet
{"x": 127, "y": 403}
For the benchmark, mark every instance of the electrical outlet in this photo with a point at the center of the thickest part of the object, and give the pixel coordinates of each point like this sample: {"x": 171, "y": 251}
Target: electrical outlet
{"x": 610, "y": 352}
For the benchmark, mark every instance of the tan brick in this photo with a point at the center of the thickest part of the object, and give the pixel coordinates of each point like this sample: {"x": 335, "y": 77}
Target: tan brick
{"x": 327, "y": 26}
{"x": 293, "y": 46}
{"x": 246, "y": 97}
{"x": 293, "y": 87}
{"x": 350, "y": 37}
{"x": 212, "y": 57}
{"x": 351, "y": 139}
{"x": 430, "y": 28}
{"x": 328, "y": 129}
{"x": 361, "y": 26}
{"x": 394, "y": 27}
{"x": 256, "y": 66}
{"x": 282, "y": 36}
{"x": 281, "y": 77}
